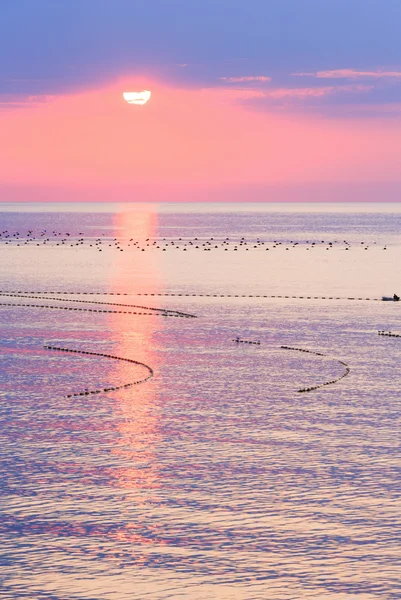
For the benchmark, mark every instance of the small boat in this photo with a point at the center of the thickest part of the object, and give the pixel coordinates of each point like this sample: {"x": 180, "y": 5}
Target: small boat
{"x": 394, "y": 298}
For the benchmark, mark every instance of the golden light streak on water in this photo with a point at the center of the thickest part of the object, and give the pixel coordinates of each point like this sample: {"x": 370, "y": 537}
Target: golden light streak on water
{"x": 136, "y": 408}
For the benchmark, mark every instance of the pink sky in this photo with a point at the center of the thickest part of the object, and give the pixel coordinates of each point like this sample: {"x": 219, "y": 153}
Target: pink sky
{"x": 185, "y": 144}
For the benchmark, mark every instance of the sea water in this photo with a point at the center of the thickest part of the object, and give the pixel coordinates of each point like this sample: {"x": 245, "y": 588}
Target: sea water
{"x": 263, "y": 470}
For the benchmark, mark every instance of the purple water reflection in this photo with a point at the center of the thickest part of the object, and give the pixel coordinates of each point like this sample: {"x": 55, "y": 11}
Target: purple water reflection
{"x": 215, "y": 478}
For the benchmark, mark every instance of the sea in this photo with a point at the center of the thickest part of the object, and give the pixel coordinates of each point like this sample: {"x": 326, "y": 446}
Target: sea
{"x": 200, "y": 401}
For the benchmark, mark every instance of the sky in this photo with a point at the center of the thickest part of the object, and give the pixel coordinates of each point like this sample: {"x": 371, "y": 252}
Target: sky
{"x": 264, "y": 100}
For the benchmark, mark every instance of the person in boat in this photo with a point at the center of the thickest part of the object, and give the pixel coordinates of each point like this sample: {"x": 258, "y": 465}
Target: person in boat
{"x": 396, "y": 298}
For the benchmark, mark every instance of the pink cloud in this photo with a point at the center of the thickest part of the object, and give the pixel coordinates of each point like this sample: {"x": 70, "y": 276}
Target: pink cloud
{"x": 255, "y": 78}
{"x": 23, "y": 101}
{"x": 351, "y": 74}
{"x": 315, "y": 92}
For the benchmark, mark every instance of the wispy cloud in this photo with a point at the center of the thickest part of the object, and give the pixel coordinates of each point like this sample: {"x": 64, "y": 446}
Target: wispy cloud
{"x": 315, "y": 92}
{"x": 330, "y": 100}
{"x": 247, "y": 79}
{"x": 351, "y": 74}
{"x": 21, "y": 100}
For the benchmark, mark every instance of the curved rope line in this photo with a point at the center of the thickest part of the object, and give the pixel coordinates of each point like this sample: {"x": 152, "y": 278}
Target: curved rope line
{"x": 316, "y": 387}
{"x": 160, "y": 312}
{"x": 154, "y": 312}
{"x": 109, "y": 389}
{"x": 94, "y": 310}
{"x": 166, "y": 311}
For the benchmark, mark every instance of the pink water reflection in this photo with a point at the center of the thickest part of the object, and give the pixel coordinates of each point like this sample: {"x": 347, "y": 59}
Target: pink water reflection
{"x": 137, "y": 408}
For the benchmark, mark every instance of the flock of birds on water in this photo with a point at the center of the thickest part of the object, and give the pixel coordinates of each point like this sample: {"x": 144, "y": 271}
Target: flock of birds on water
{"x": 106, "y": 242}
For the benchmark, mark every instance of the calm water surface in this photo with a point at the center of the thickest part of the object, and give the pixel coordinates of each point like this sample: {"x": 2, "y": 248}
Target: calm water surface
{"x": 216, "y": 478}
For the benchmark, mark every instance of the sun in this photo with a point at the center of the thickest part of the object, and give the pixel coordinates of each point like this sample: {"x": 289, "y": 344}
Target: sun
{"x": 137, "y": 97}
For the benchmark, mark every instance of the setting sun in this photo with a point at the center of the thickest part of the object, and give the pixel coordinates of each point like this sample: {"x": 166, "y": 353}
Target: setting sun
{"x": 137, "y": 97}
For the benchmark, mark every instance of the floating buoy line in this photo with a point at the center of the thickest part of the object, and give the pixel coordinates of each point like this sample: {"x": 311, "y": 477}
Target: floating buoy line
{"x": 109, "y": 389}
{"x": 93, "y": 310}
{"x": 320, "y": 385}
{"x": 165, "y": 312}
{"x": 179, "y": 295}
{"x": 239, "y": 341}
{"x": 145, "y": 310}
{"x": 389, "y": 334}
{"x": 258, "y": 296}
{"x": 152, "y": 311}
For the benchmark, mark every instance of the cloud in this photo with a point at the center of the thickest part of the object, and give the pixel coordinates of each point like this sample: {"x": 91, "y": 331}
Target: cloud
{"x": 354, "y": 100}
{"x": 314, "y": 92}
{"x": 64, "y": 47}
{"x": 351, "y": 74}
{"x": 248, "y": 79}
{"x": 8, "y": 101}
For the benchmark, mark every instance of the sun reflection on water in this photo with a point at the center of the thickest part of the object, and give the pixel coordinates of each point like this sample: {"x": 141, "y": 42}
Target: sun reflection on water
{"x": 137, "y": 408}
